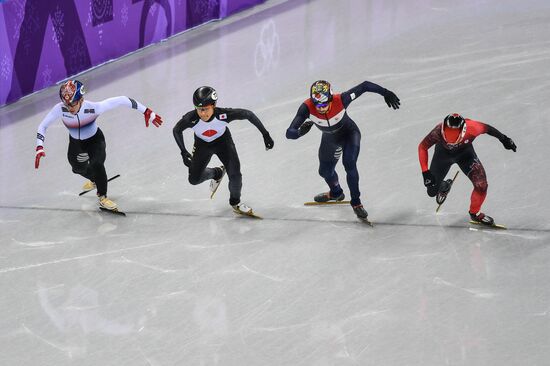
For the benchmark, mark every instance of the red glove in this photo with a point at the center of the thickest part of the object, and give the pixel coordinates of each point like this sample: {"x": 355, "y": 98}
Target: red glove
{"x": 151, "y": 117}
{"x": 39, "y": 153}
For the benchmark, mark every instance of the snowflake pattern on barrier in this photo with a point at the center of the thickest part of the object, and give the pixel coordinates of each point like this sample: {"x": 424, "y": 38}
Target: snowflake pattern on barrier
{"x": 47, "y": 76}
{"x": 5, "y": 68}
{"x": 102, "y": 11}
{"x": 19, "y": 11}
{"x": 58, "y": 24}
{"x": 77, "y": 59}
{"x": 124, "y": 15}
{"x": 30, "y": 27}
{"x": 204, "y": 9}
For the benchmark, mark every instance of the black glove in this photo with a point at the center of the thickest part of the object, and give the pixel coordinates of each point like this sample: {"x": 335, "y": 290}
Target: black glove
{"x": 268, "y": 141}
{"x": 429, "y": 179}
{"x": 187, "y": 158}
{"x": 391, "y": 99}
{"x": 508, "y": 143}
{"x": 305, "y": 127}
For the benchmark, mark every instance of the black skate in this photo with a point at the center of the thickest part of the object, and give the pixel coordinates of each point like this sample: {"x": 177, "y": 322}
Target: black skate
{"x": 481, "y": 218}
{"x": 362, "y": 214}
{"x": 326, "y": 197}
{"x": 215, "y": 183}
{"x": 444, "y": 189}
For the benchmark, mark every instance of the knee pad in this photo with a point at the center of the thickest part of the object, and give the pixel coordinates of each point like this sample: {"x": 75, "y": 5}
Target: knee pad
{"x": 194, "y": 180}
{"x": 481, "y": 186}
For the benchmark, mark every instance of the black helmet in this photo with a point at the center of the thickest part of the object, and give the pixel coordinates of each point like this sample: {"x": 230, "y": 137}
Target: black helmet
{"x": 454, "y": 120}
{"x": 321, "y": 92}
{"x": 205, "y": 95}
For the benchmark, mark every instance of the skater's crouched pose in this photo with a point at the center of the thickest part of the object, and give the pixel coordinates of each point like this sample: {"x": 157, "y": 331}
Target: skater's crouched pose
{"x": 340, "y": 136}
{"x": 86, "y": 152}
{"x": 212, "y": 137}
{"x": 453, "y": 144}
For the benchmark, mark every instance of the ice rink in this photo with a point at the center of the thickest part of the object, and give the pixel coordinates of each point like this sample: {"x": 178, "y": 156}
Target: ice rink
{"x": 183, "y": 281}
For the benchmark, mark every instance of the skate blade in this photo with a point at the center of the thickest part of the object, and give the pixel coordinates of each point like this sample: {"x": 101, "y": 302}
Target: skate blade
{"x": 93, "y": 189}
{"x": 115, "y": 211}
{"x": 313, "y": 203}
{"x": 366, "y": 221}
{"x": 493, "y": 226}
{"x": 251, "y": 214}
{"x": 214, "y": 192}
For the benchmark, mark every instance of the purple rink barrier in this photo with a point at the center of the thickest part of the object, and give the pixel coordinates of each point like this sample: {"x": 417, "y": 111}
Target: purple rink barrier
{"x": 45, "y": 41}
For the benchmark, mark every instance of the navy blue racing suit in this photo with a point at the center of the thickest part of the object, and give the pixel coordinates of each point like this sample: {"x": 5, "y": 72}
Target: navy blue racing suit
{"x": 341, "y": 137}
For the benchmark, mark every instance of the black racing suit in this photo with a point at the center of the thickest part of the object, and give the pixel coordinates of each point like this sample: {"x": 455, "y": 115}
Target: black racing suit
{"x": 212, "y": 137}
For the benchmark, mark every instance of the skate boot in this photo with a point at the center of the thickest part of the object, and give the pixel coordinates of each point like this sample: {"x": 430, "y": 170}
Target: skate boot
{"x": 107, "y": 204}
{"x": 326, "y": 197}
{"x": 215, "y": 183}
{"x": 243, "y": 209}
{"x": 482, "y": 219}
{"x": 88, "y": 186}
{"x": 360, "y": 212}
{"x": 444, "y": 189}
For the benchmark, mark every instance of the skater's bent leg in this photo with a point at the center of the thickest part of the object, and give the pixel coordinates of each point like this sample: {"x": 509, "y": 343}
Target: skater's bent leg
{"x": 350, "y": 156}
{"x": 352, "y": 174}
{"x": 439, "y": 167}
{"x": 476, "y": 173}
{"x": 197, "y": 177}
{"x": 95, "y": 147}
{"x": 329, "y": 154}
{"x": 227, "y": 153}
{"x": 198, "y": 172}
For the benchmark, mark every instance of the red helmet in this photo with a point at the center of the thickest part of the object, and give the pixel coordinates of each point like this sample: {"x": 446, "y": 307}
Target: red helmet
{"x": 453, "y": 128}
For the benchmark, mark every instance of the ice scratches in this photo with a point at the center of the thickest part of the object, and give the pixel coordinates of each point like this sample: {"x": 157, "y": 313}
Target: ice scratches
{"x": 64, "y": 260}
{"x": 70, "y": 351}
{"x": 123, "y": 259}
{"x": 272, "y": 278}
{"x": 194, "y": 246}
{"x": 474, "y": 292}
{"x": 491, "y": 231}
{"x": 544, "y": 313}
{"x": 283, "y": 328}
{"x": 37, "y": 244}
{"x": 423, "y": 255}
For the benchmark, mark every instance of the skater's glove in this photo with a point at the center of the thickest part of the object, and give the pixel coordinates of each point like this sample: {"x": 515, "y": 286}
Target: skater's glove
{"x": 391, "y": 99}
{"x": 305, "y": 127}
{"x": 508, "y": 143}
{"x": 429, "y": 179}
{"x": 187, "y": 159}
{"x": 151, "y": 117}
{"x": 39, "y": 153}
{"x": 268, "y": 141}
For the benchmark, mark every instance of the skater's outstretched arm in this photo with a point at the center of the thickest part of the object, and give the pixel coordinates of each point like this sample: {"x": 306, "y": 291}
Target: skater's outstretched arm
{"x": 507, "y": 142}
{"x": 366, "y": 86}
{"x": 122, "y": 101}
{"x": 239, "y": 113}
{"x": 297, "y": 128}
